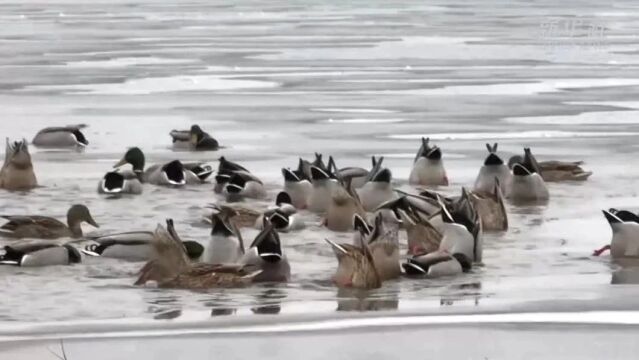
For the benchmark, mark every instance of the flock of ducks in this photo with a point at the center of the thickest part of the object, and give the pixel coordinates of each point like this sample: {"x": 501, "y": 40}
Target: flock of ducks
{"x": 444, "y": 234}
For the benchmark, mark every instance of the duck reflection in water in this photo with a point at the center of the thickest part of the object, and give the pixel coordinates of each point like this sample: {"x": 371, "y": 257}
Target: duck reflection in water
{"x": 349, "y": 299}
{"x": 460, "y": 294}
{"x": 627, "y": 271}
{"x": 269, "y": 302}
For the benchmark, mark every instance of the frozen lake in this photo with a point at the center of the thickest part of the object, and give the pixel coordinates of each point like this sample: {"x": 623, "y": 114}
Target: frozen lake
{"x": 274, "y": 81}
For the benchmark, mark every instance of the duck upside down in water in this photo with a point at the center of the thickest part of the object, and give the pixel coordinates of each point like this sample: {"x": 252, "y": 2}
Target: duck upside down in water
{"x": 171, "y": 267}
{"x": 17, "y": 172}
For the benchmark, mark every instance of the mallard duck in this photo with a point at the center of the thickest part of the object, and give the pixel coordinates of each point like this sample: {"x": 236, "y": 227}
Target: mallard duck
{"x": 460, "y": 245}
{"x": 44, "y": 227}
{"x": 225, "y": 171}
{"x": 356, "y": 266}
{"x": 527, "y": 184}
{"x": 625, "y": 234}
{"x": 39, "y": 253}
{"x": 173, "y": 173}
{"x": 360, "y": 176}
{"x": 226, "y": 245}
{"x": 265, "y": 254}
{"x": 383, "y": 244}
{"x": 422, "y": 236}
{"x": 243, "y": 185}
{"x": 428, "y": 167}
{"x": 377, "y": 190}
{"x": 323, "y": 179}
{"x": 493, "y": 168}
{"x": 344, "y": 203}
{"x": 554, "y": 170}
{"x": 491, "y": 208}
{"x": 17, "y": 171}
{"x": 132, "y": 246}
{"x": 171, "y": 267}
{"x": 61, "y": 137}
{"x": 297, "y": 185}
{"x": 120, "y": 182}
{"x": 283, "y": 216}
{"x": 195, "y": 139}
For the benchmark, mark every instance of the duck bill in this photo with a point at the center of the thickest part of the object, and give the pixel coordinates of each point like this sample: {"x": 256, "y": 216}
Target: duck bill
{"x": 92, "y": 222}
{"x": 120, "y": 163}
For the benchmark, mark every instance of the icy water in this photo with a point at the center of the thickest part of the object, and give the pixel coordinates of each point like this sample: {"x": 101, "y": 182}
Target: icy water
{"x": 273, "y": 81}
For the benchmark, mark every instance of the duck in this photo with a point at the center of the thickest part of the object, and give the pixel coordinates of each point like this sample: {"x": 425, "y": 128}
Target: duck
{"x": 460, "y": 246}
{"x": 491, "y": 208}
{"x": 38, "y": 253}
{"x": 17, "y": 172}
{"x": 625, "y": 234}
{"x": 297, "y": 185}
{"x": 265, "y": 254}
{"x": 225, "y": 171}
{"x": 195, "y": 139}
{"x": 493, "y": 168}
{"x": 527, "y": 184}
{"x": 377, "y": 190}
{"x": 61, "y": 137}
{"x": 173, "y": 173}
{"x": 132, "y": 246}
{"x": 120, "y": 182}
{"x": 422, "y": 236}
{"x": 356, "y": 266}
{"x": 283, "y": 216}
{"x": 428, "y": 166}
{"x": 360, "y": 176}
{"x": 383, "y": 244}
{"x": 324, "y": 179}
{"x": 344, "y": 203}
{"x": 44, "y": 227}
{"x": 226, "y": 245}
{"x": 243, "y": 216}
{"x": 555, "y": 170}
{"x": 171, "y": 267}
{"x": 244, "y": 185}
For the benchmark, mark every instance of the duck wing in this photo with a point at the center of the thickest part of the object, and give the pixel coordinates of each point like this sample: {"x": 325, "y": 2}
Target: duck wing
{"x": 16, "y": 221}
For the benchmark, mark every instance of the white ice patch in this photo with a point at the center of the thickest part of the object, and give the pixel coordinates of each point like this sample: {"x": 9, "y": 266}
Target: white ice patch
{"x": 161, "y": 85}
{"x": 537, "y": 134}
{"x": 588, "y": 118}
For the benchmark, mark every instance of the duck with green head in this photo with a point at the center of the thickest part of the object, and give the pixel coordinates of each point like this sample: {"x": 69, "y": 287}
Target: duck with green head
{"x": 173, "y": 173}
{"x": 194, "y": 139}
{"x": 45, "y": 227}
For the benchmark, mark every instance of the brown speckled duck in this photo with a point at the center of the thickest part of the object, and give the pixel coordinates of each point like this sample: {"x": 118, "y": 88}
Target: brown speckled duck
{"x": 171, "y": 267}
{"x": 45, "y": 227}
{"x": 554, "y": 170}
{"x": 356, "y": 267}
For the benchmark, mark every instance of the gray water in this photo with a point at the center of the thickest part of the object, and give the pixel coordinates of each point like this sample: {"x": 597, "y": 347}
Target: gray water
{"x": 274, "y": 81}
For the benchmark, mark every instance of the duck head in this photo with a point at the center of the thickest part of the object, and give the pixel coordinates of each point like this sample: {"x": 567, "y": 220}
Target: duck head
{"x": 197, "y": 134}
{"x": 78, "y": 214}
{"x": 135, "y": 157}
